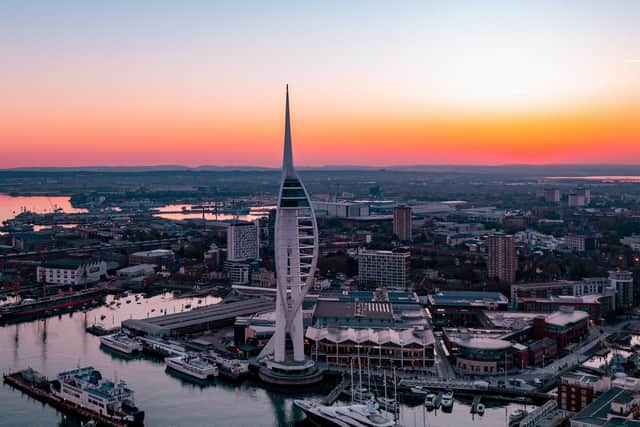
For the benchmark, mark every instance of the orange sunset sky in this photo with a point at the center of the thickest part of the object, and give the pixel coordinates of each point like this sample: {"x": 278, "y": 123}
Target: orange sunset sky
{"x": 372, "y": 83}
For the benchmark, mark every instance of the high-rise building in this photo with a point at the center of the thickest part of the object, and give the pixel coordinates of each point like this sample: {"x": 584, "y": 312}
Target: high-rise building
{"x": 585, "y": 193}
{"x": 576, "y": 200}
{"x": 502, "y": 260}
{"x": 383, "y": 269}
{"x": 296, "y": 256}
{"x": 402, "y": 222}
{"x": 622, "y": 281}
{"x": 552, "y": 195}
{"x": 243, "y": 241}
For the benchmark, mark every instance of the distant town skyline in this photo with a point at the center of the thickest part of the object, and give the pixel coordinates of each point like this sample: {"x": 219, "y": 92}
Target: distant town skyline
{"x": 373, "y": 83}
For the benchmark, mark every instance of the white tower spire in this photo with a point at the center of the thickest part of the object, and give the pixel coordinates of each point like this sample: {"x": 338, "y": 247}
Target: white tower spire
{"x": 296, "y": 255}
{"x": 287, "y": 157}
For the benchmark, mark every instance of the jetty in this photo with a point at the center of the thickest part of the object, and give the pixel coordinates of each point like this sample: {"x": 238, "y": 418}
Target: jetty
{"x": 475, "y": 403}
{"x": 335, "y": 393}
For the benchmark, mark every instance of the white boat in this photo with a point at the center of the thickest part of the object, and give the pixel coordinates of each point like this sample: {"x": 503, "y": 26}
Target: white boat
{"x": 192, "y": 366}
{"x": 447, "y": 400}
{"x": 480, "y": 409}
{"x": 419, "y": 390}
{"x": 430, "y": 401}
{"x": 121, "y": 342}
{"x": 517, "y": 416}
{"x": 231, "y": 368}
{"x": 343, "y": 416}
{"x": 86, "y": 388}
{"x": 364, "y": 415}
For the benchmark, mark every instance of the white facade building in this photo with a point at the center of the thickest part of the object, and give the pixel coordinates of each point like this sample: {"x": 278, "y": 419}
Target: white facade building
{"x": 71, "y": 271}
{"x": 383, "y": 268}
{"x": 341, "y": 209}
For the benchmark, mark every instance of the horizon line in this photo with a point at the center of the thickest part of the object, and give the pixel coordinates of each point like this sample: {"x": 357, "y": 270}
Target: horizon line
{"x": 326, "y": 166}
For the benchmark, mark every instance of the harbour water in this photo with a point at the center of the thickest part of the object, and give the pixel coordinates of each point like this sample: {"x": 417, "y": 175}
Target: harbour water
{"x": 11, "y": 206}
{"x": 60, "y": 342}
{"x": 169, "y": 212}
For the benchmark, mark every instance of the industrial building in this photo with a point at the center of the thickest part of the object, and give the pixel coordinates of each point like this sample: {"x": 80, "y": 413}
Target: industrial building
{"x": 198, "y": 320}
{"x": 161, "y": 257}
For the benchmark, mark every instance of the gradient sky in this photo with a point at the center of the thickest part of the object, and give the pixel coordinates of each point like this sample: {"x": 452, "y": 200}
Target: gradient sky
{"x": 372, "y": 82}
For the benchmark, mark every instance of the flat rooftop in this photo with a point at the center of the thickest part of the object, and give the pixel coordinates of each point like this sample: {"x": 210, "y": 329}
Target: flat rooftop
{"x": 199, "y": 317}
{"x": 466, "y": 298}
{"x": 351, "y": 309}
{"x": 565, "y": 317}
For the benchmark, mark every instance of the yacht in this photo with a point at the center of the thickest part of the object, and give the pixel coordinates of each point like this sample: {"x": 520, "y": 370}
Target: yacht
{"x": 121, "y": 342}
{"x": 192, "y": 366}
{"x": 343, "y": 416}
{"x": 447, "y": 400}
{"x": 430, "y": 401}
{"x": 363, "y": 415}
{"x": 86, "y": 388}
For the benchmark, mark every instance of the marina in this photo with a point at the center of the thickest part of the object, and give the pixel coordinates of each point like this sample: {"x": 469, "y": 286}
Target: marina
{"x": 55, "y": 344}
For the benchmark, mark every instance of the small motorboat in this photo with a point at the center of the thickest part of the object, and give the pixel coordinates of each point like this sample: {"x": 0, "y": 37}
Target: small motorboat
{"x": 430, "y": 401}
{"x": 447, "y": 400}
{"x": 480, "y": 409}
{"x": 517, "y": 416}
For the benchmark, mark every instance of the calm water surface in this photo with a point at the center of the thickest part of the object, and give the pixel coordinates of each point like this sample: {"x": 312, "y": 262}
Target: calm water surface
{"x": 11, "y": 206}
{"x": 253, "y": 214}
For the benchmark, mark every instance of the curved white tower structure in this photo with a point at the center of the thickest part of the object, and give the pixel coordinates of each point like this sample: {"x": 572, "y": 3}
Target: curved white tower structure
{"x": 296, "y": 255}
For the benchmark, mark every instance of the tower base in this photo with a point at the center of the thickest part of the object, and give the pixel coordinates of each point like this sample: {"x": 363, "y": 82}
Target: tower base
{"x": 290, "y": 374}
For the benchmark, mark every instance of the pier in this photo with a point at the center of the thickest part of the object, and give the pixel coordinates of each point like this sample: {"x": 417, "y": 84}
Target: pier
{"x": 337, "y": 391}
{"x": 475, "y": 403}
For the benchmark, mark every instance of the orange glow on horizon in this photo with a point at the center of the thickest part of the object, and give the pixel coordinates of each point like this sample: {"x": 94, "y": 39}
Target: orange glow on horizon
{"x": 605, "y": 135}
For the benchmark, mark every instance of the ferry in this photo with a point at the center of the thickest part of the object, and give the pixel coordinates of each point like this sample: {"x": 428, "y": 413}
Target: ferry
{"x": 192, "y": 366}
{"x": 85, "y": 388}
{"x": 343, "y": 416}
{"x": 121, "y": 342}
{"x": 62, "y": 301}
